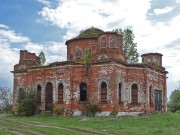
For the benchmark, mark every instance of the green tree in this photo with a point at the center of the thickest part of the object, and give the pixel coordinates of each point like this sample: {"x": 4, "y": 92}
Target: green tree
{"x": 174, "y": 101}
{"x": 129, "y": 47}
{"x": 27, "y": 106}
{"x": 42, "y": 58}
{"x": 87, "y": 58}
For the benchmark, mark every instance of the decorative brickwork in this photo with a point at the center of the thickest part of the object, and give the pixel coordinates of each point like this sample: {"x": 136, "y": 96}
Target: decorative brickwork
{"x": 109, "y": 82}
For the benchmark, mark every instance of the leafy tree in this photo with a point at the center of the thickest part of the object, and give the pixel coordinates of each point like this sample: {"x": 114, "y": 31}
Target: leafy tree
{"x": 42, "y": 58}
{"x": 6, "y": 99}
{"x": 27, "y": 106}
{"x": 129, "y": 47}
{"x": 174, "y": 101}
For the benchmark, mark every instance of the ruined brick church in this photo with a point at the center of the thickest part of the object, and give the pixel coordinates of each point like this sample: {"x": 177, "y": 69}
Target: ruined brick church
{"x": 109, "y": 82}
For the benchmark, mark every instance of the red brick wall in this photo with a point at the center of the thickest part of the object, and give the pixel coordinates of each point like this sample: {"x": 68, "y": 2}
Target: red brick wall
{"x": 72, "y": 75}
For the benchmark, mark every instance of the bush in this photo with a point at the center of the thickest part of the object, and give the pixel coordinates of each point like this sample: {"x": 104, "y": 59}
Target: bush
{"x": 178, "y": 111}
{"x": 27, "y": 106}
{"x": 58, "y": 111}
{"x": 45, "y": 114}
{"x": 91, "y": 110}
{"x": 7, "y": 109}
{"x": 174, "y": 101}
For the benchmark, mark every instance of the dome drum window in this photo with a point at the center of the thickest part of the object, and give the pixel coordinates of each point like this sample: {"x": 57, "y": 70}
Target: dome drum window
{"x": 103, "y": 42}
{"x": 78, "y": 54}
{"x": 112, "y": 42}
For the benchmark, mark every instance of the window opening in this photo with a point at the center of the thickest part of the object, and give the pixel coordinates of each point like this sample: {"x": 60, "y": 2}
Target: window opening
{"x": 83, "y": 92}
{"x": 134, "y": 93}
{"x": 103, "y": 92}
{"x": 60, "y": 93}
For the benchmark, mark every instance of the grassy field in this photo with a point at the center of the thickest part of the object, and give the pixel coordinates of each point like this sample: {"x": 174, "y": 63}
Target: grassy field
{"x": 156, "y": 124}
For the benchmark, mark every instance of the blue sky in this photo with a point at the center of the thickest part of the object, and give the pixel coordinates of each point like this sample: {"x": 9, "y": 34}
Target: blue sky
{"x": 44, "y": 25}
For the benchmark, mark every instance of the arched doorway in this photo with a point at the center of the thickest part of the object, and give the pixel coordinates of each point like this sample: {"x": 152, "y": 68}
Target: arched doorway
{"x": 158, "y": 100}
{"x": 48, "y": 96}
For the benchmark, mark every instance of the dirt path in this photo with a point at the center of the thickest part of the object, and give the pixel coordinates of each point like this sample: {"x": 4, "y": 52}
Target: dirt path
{"x": 23, "y": 128}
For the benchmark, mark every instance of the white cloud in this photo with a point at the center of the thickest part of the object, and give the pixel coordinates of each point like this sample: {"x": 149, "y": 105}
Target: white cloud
{"x": 4, "y": 26}
{"x": 165, "y": 10}
{"x": 77, "y": 15}
{"x": 9, "y": 57}
{"x": 45, "y": 2}
{"x": 54, "y": 58}
{"x": 178, "y": 1}
{"x": 34, "y": 48}
{"x": 54, "y": 51}
{"x": 11, "y": 36}
{"x": 57, "y": 48}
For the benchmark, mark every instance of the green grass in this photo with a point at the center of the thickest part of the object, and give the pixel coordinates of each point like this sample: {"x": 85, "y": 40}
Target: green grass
{"x": 156, "y": 124}
{"x": 4, "y": 132}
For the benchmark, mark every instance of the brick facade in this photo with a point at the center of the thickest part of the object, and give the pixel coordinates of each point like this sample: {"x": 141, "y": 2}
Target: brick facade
{"x": 109, "y": 82}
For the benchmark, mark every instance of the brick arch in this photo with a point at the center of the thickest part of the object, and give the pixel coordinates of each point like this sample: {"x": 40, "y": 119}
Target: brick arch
{"x": 83, "y": 91}
{"x": 134, "y": 92}
{"x": 103, "y": 42}
{"x": 103, "y": 91}
{"x": 39, "y": 93}
{"x": 48, "y": 96}
{"x": 112, "y": 42}
{"x": 78, "y": 54}
{"x": 60, "y": 92}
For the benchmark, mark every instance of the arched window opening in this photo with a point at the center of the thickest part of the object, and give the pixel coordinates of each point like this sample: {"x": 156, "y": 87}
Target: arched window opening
{"x": 83, "y": 92}
{"x": 71, "y": 57}
{"x": 78, "y": 54}
{"x": 120, "y": 90}
{"x": 103, "y": 42}
{"x": 112, "y": 42}
{"x": 49, "y": 97}
{"x": 60, "y": 93}
{"x": 39, "y": 94}
{"x": 134, "y": 93}
{"x": 103, "y": 92}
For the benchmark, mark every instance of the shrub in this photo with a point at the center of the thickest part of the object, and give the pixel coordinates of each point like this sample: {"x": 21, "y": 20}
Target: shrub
{"x": 174, "y": 101}
{"x": 45, "y": 114}
{"x": 58, "y": 111}
{"x": 7, "y": 109}
{"x": 178, "y": 111}
{"x": 27, "y": 106}
{"x": 91, "y": 110}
